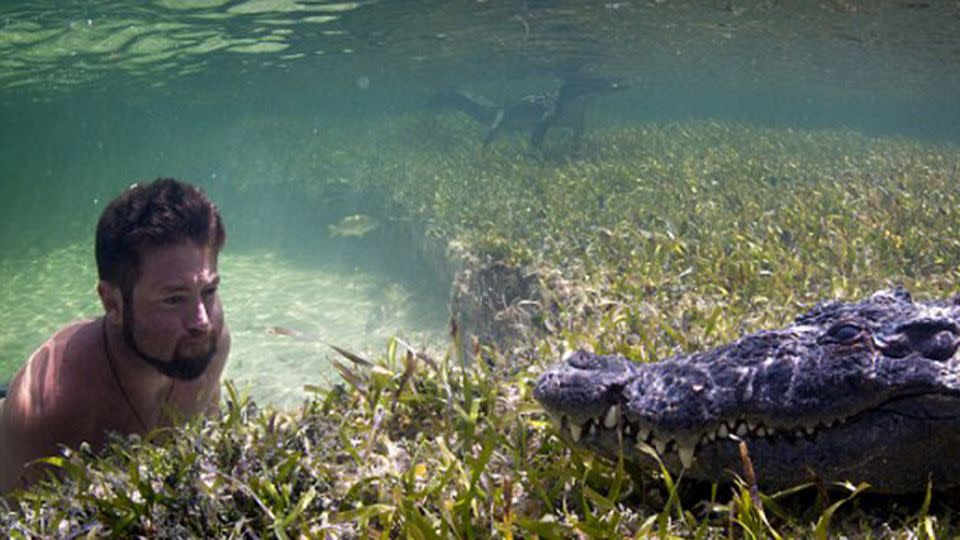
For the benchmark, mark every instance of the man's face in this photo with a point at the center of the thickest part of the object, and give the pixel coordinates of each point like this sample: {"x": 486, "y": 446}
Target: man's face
{"x": 173, "y": 318}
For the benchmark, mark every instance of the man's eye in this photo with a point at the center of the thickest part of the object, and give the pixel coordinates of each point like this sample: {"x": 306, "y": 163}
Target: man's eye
{"x": 210, "y": 292}
{"x": 173, "y": 300}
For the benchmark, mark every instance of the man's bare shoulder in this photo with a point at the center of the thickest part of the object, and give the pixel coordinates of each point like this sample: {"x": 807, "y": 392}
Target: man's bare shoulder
{"x": 40, "y": 411}
{"x": 46, "y": 386}
{"x": 223, "y": 350}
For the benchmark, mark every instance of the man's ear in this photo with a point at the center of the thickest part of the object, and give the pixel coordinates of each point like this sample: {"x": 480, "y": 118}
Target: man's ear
{"x": 112, "y": 300}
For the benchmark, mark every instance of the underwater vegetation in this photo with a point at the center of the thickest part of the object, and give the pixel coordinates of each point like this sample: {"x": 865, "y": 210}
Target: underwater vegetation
{"x": 653, "y": 240}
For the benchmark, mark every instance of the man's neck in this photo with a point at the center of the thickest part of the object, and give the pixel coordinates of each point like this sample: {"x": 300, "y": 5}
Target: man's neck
{"x": 141, "y": 382}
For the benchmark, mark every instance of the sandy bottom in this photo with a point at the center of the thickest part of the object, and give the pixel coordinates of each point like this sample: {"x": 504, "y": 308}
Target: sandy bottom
{"x": 281, "y": 315}
{"x": 282, "y": 319}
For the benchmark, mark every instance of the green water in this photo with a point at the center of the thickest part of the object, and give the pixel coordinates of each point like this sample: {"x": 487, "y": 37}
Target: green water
{"x": 321, "y": 304}
{"x": 290, "y": 113}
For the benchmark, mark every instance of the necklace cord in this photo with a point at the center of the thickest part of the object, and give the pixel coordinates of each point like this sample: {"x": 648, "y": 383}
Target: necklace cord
{"x": 116, "y": 377}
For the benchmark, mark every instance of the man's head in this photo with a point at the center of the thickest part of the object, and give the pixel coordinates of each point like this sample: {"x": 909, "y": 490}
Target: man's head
{"x": 156, "y": 249}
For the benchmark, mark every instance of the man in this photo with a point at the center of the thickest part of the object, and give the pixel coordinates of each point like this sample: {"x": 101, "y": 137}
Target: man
{"x": 157, "y": 353}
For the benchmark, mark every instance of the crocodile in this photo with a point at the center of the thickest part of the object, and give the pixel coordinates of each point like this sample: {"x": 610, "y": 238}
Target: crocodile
{"x": 864, "y": 391}
{"x": 539, "y": 113}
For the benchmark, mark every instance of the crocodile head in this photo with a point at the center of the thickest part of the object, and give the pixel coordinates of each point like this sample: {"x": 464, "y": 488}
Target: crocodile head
{"x": 865, "y": 392}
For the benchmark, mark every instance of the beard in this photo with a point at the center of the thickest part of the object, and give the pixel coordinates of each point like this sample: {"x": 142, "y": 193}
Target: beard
{"x": 180, "y": 367}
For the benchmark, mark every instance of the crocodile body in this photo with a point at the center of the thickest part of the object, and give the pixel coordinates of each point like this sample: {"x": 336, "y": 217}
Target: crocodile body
{"x": 564, "y": 107}
{"x": 861, "y": 392}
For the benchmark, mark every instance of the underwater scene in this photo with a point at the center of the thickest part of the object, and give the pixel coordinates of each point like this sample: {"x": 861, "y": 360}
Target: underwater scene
{"x": 428, "y": 203}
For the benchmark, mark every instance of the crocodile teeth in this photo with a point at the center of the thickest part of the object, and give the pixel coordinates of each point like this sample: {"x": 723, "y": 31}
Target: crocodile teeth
{"x": 722, "y": 431}
{"x": 613, "y": 415}
{"x": 742, "y": 430}
{"x": 643, "y": 433}
{"x": 592, "y": 430}
{"x": 810, "y": 430}
{"x": 686, "y": 456}
{"x": 575, "y": 432}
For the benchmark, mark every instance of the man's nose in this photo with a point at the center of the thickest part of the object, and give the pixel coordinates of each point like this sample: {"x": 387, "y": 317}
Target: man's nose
{"x": 199, "y": 322}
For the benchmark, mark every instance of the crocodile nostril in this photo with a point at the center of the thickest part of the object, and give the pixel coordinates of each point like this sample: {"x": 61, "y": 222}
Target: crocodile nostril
{"x": 940, "y": 346}
{"x": 896, "y": 346}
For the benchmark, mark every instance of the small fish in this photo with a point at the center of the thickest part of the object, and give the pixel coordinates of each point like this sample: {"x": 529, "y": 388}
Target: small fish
{"x": 357, "y": 226}
{"x": 298, "y": 335}
{"x": 284, "y": 331}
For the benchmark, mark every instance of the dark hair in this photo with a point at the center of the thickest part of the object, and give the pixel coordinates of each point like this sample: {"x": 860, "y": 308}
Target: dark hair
{"x": 160, "y": 213}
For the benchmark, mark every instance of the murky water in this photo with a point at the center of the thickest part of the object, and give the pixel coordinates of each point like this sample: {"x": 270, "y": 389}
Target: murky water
{"x": 279, "y": 108}
{"x": 282, "y": 313}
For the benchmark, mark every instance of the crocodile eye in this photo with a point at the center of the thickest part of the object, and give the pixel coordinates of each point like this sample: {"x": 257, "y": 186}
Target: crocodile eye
{"x": 844, "y": 332}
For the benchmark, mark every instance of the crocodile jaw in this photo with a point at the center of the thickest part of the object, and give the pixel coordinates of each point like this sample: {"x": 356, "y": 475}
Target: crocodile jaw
{"x": 925, "y": 425}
